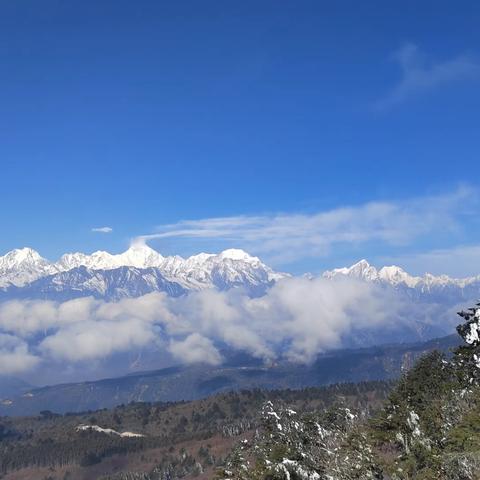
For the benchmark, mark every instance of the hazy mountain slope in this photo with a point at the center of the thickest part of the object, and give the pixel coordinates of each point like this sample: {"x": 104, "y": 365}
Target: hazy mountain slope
{"x": 187, "y": 383}
{"x": 12, "y": 387}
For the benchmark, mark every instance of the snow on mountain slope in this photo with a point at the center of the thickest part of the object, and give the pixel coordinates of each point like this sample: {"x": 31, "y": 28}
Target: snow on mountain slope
{"x": 110, "y": 285}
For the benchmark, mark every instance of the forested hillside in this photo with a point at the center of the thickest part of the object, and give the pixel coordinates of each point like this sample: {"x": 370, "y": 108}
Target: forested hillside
{"x": 160, "y": 440}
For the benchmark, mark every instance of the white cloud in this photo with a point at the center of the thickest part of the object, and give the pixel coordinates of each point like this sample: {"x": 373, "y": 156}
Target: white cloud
{"x": 195, "y": 349}
{"x": 293, "y": 236}
{"x": 15, "y": 357}
{"x": 25, "y": 318}
{"x": 419, "y": 74}
{"x": 97, "y": 339}
{"x": 102, "y": 229}
{"x": 296, "y": 319}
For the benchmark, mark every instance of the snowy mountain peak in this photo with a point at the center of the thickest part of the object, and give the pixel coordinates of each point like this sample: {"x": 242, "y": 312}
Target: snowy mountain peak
{"x": 140, "y": 255}
{"x": 237, "y": 254}
{"x": 71, "y": 260}
{"x": 201, "y": 257}
{"x": 140, "y": 248}
{"x": 21, "y": 257}
{"x": 23, "y": 265}
{"x": 362, "y": 270}
{"x": 361, "y": 263}
{"x": 395, "y": 275}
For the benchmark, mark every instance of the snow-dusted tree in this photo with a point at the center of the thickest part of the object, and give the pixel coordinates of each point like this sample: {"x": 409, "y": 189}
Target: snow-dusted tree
{"x": 290, "y": 446}
{"x": 467, "y": 357}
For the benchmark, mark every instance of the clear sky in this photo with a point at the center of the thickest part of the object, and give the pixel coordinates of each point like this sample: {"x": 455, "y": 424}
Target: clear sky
{"x": 259, "y": 120}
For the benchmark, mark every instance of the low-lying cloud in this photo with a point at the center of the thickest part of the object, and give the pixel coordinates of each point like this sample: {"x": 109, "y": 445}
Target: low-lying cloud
{"x": 296, "y": 319}
{"x": 195, "y": 349}
{"x": 15, "y": 356}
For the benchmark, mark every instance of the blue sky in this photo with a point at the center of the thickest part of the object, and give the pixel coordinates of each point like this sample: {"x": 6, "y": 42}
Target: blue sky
{"x": 270, "y": 116}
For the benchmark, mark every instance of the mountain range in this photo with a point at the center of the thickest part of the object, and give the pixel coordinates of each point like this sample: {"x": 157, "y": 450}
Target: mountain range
{"x": 137, "y": 271}
{"x": 441, "y": 289}
{"x": 24, "y": 273}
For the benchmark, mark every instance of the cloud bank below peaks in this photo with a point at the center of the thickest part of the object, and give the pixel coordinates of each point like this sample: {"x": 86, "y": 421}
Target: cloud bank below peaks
{"x": 295, "y": 320}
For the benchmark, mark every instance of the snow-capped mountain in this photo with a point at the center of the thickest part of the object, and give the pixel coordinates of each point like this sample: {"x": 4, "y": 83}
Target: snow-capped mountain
{"x": 23, "y": 265}
{"x": 426, "y": 285}
{"x": 24, "y": 273}
{"x": 364, "y": 271}
{"x": 138, "y": 270}
{"x": 138, "y": 255}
